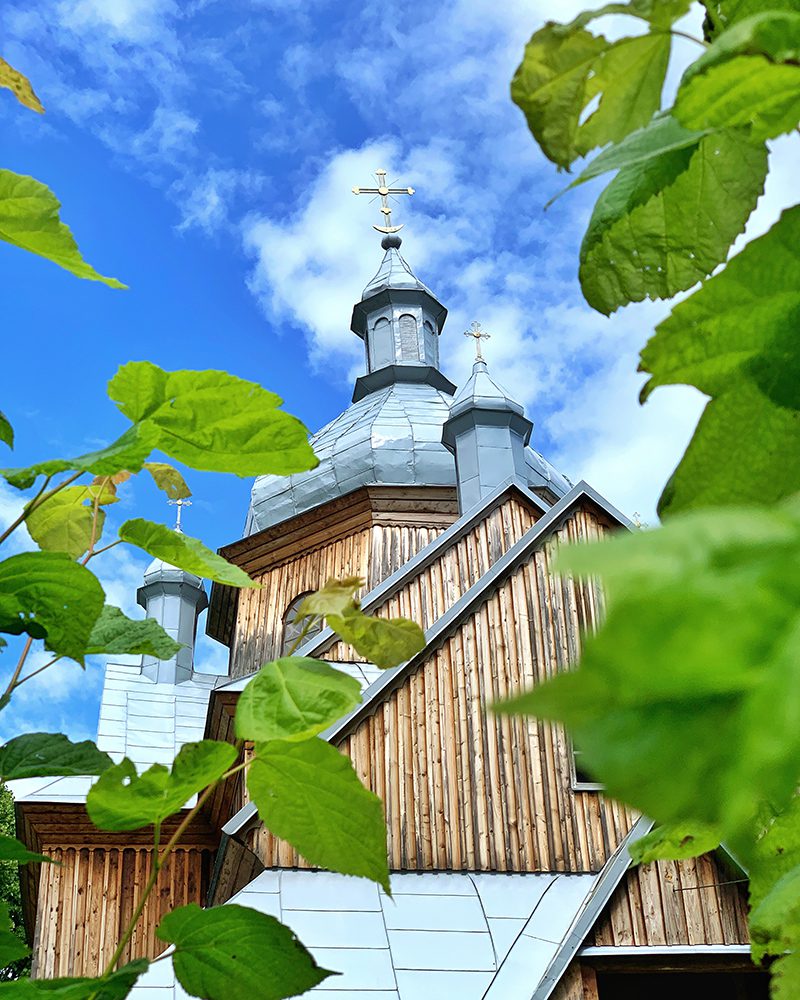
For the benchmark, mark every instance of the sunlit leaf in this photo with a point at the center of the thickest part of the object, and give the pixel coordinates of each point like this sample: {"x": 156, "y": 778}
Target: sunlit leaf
{"x": 565, "y": 69}
{"x": 183, "y": 551}
{"x": 702, "y": 637}
{"x": 665, "y": 223}
{"x": 51, "y": 597}
{"x": 168, "y": 479}
{"x": 50, "y": 755}
{"x": 123, "y": 800}
{"x": 12, "y": 849}
{"x": 66, "y": 521}
{"x": 116, "y": 634}
{"x": 336, "y": 597}
{"x": 212, "y": 420}
{"x": 29, "y": 219}
{"x": 660, "y": 13}
{"x": 732, "y": 11}
{"x": 735, "y": 339}
{"x": 234, "y": 953}
{"x": 294, "y": 698}
{"x": 20, "y": 87}
{"x": 6, "y": 430}
{"x": 309, "y": 795}
{"x": 116, "y": 986}
{"x": 673, "y": 842}
{"x": 386, "y": 642}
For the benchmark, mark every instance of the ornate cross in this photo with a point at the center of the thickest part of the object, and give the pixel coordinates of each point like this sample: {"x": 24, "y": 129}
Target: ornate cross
{"x": 180, "y": 504}
{"x": 383, "y": 191}
{"x": 478, "y": 335}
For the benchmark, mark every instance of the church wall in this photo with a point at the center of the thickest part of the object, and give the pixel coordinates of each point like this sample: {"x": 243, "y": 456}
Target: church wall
{"x": 578, "y": 983}
{"x": 87, "y": 901}
{"x": 691, "y": 902}
{"x": 464, "y": 790}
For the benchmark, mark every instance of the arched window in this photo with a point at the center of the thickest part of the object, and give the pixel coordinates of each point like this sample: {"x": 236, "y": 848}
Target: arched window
{"x": 431, "y": 347}
{"x": 381, "y": 345}
{"x": 293, "y": 626}
{"x": 409, "y": 342}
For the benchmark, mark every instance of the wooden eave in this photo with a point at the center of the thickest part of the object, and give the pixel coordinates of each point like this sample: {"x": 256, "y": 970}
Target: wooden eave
{"x": 425, "y": 506}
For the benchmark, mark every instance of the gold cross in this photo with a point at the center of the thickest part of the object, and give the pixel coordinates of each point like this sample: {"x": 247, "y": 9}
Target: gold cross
{"x": 180, "y": 504}
{"x": 384, "y": 191}
{"x": 478, "y": 335}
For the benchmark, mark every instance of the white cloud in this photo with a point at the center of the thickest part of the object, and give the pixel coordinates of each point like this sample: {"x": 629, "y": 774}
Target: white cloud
{"x": 132, "y": 21}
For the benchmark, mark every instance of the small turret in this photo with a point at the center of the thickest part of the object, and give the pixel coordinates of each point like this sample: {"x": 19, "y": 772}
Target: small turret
{"x": 487, "y": 432}
{"x": 175, "y": 599}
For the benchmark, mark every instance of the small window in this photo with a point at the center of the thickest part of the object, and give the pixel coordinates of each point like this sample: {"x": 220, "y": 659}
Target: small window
{"x": 293, "y": 626}
{"x": 409, "y": 343}
{"x": 582, "y": 781}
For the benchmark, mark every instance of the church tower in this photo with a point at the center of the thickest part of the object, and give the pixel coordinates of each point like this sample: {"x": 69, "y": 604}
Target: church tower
{"x": 511, "y": 875}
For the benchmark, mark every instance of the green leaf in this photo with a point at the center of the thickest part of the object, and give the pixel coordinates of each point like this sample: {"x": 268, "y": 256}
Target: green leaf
{"x": 50, "y": 755}
{"x": 335, "y": 598}
{"x": 309, "y": 795}
{"x": 183, "y": 551}
{"x": 662, "y": 135}
{"x": 123, "y": 800}
{"x": 736, "y": 340}
{"x": 565, "y": 68}
{"x": 386, "y": 642}
{"x": 11, "y": 947}
{"x": 731, "y": 11}
{"x": 51, "y": 597}
{"x": 128, "y": 452}
{"x": 29, "y": 219}
{"x": 168, "y": 479}
{"x": 20, "y": 87}
{"x": 6, "y": 430}
{"x": 114, "y": 634}
{"x": 702, "y": 637}
{"x": 665, "y": 223}
{"x": 12, "y": 849}
{"x": 115, "y": 986}
{"x": 294, "y": 698}
{"x": 750, "y": 76}
{"x": 213, "y": 421}
{"x": 234, "y": 953}
{"x": 659, "y": 13}
{"x": 64, "y": 521}
{"x": 674, "y": 842}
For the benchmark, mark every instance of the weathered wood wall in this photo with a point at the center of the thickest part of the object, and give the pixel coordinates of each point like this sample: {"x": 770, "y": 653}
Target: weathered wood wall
{"x": 87, "y": 901}
{"x": 579, "y": 982}
{"x": 676, "y": 903}
{"x": 465, "y": 790}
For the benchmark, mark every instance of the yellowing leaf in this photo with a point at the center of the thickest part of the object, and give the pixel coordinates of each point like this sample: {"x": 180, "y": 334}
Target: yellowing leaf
{"x": 29, "y": 219}
{"x": 66, "y": 521}
{"x": 20, "y": 87}
{"x": 386, "y": 642}
{"x": 336, "y": 597}
{"x": 168, "y": 479}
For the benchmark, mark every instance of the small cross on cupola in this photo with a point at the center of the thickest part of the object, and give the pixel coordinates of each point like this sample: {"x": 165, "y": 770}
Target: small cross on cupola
{"x": 477, "y": 335}
{"x": 384, "y": 191}
{"x": 180, "y": 503}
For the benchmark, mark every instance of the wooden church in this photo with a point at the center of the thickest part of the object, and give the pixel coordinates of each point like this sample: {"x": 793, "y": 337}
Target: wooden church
{"x": 510, "y": 871}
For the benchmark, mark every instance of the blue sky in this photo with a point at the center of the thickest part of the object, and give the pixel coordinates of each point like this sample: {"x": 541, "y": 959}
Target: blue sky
{"x": 204, "y": 154}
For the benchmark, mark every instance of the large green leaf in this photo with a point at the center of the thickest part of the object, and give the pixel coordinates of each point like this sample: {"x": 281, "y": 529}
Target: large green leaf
{"x": 673, "y": 842}
{"x": 659, "y": 13}
{"x": 666, "y": 222}
{"x": 565, "y": 68}
{"x": 50, "y": 755}
{"x": 29, "y": 219}
{"x": 386, "y": 642}
{"x": 212, "y": 420}
{"x": 11, "y": 947}
{"x": 6, "y": 430}
{"x": 750, "y": 76}
{"x": 116, "y": 986}
{"x": 116, "y": 634}
{"x": 702, "y": 638}
{"x": 234, "y": 953}
{"x": 183, "y": 551}
{"x": 294, "y": 698}
{"x": 309, "y": 795}
{"x": 123, "y": 800}
{"x": 20, "y": 86}
{"x": 774, "y": 868}
{"x": 730, "y": 11}
{"x": 128, "y": 452}
{"x": 335, "y": 598}
{"x": 51, "y": 597}
{"x": 65, "y": 521}
{"x": 12, "y": 849}
{"x": 736, "y": 340}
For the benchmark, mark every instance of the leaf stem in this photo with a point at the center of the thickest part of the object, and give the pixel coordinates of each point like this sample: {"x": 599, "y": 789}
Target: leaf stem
{"x": 40, "y": 498}
{"x": 685, "y": 34}
{"x": 17, "y": 670}
{"x": 98, "y": 552}
{"x": 713, "y": 17}
{"x": 310, "y": 623}
{"x": 95, "y": 510}
{"x": 38, "y": 670}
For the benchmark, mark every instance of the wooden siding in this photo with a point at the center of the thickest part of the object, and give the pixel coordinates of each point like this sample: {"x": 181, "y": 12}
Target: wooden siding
{"x": 86, "y": 903}
{"x": 579, "y": 982}
{"x": 690, "y": 902}
{"x": 465, "y": 790}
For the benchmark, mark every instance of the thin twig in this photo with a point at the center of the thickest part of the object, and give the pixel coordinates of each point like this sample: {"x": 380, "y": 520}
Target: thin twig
{"x": 95, "y": 512}
{"x": 310, "y": 623}
{"x": 98, "y": 552}
{"x": 38, "y": 670}
{"x": 685, "y": 34}
{"x": 18, "y": 669}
